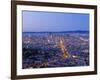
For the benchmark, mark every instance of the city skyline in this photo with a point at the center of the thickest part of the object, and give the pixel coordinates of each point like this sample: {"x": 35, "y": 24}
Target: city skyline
{"x": 35, "y": 21}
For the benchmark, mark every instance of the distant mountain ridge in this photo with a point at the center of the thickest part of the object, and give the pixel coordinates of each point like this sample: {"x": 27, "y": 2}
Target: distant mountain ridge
{"x": 77, "y": 31}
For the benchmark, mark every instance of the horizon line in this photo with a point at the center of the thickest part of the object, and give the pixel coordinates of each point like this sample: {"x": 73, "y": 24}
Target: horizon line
{"x": 60, "y": 31}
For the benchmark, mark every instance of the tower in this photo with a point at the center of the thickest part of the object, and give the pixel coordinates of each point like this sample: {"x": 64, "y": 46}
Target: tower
{"x": 63, "y": 49}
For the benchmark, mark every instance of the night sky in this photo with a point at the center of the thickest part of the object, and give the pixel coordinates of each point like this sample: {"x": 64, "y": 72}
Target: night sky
{"x": 35, "y": 21}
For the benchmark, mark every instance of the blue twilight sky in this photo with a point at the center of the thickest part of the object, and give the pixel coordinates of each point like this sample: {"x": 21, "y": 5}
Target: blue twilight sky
{"x": 50, "y": 21}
